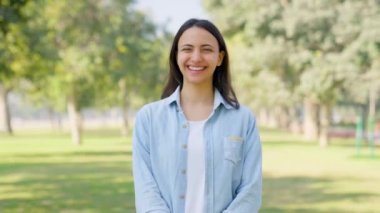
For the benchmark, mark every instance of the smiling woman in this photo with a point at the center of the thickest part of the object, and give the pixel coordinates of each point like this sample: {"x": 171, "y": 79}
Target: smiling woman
{"x": 198, "y": 56}
{"x": 187, "y": 157}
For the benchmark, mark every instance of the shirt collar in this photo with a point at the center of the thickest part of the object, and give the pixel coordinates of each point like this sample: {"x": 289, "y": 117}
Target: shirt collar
{"x": 218, "y": 99}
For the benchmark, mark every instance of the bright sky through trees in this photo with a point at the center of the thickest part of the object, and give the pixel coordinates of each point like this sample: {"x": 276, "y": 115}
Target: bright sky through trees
{"x": 172, "y": 12}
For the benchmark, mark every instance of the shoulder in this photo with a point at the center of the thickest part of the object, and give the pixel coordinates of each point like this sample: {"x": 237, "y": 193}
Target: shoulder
{"x": 243, "y": 112}
{"x": 149, "y": 106}
{"x": 152, "y": 108}
{"x": 242, "y": 117}
{"x": 248, "y": 115}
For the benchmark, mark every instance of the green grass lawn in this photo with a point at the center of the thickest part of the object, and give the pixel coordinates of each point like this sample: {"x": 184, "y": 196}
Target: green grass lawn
{"x": 301, "y": 177}
{"x": 44, "y": 172}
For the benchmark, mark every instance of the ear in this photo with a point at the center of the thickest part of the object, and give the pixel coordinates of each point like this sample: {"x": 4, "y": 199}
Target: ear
{"x": 220, "y": 57}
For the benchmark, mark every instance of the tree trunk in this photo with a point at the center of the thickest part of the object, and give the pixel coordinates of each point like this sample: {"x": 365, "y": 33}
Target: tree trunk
{"x": 124, "y": 107}
{"x": 263, "y": 117}
{"x": 295, "y": 125}
{"x": 284, "y": 118}
{"x": 273, "y": 121}
{"x": 51, "y": 117}
{"x": 310, "y": 122}
{"x": 75, "y": 120}
{"x": 371, "y": 114}
{"x": 55, "y": 119}
{"x": 325, "y": 125}
{"x": 5, "y": 116}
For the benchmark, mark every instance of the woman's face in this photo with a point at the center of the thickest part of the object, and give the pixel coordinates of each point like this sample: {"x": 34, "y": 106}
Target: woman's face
{"x": 198, "y": 56}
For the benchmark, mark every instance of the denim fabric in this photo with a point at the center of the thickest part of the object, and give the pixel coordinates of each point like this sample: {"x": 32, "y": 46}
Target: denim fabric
{"x": 232, "y": 152}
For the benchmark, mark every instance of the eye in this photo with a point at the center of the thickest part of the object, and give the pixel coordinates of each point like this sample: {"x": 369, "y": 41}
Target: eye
{"x": 207, "y": 50}
{"x": 185, "y": 49}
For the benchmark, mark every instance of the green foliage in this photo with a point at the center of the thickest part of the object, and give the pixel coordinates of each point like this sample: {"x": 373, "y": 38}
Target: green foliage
{"x": 323, "y": 50}
{"x": 363, "y": 53}
{"x": 13, "y": 46}
{"x": 10, "y": 13}
{"x": 84, "y": 49}
{"x": 132, "y": 53}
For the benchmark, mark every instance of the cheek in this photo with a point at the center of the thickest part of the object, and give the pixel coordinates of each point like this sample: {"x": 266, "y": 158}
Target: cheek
{"x": 215, "y": 60}
{"x": 180, "y": 59}
{"x": 180, "y": 62}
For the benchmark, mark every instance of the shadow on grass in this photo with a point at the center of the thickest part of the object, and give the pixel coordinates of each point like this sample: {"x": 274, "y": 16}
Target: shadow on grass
{"x": 288, "y": 143}
{"x": 72, "y": 154}
{"x": 294, "y": 194}
{"x": 101, "y": 186}
{"x": 366, "y": 156}
{"x": 272, "y": 137}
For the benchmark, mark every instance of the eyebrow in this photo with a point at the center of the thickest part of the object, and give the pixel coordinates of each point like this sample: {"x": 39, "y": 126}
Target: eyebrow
{"x": 203, "y": 45}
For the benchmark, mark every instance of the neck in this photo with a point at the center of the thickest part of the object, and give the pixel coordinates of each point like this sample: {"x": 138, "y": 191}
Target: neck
{"x": 191, "y": 95}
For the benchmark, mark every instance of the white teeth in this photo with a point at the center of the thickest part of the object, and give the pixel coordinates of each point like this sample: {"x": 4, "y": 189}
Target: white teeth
{"x": 196, "y": 68}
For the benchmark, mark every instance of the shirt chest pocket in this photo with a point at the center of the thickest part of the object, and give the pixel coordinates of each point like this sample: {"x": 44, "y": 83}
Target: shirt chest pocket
{"x": 233, "y": 148}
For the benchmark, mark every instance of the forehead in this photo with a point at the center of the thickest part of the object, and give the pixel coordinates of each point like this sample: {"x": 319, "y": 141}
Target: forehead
{"x": 197, "y": 36}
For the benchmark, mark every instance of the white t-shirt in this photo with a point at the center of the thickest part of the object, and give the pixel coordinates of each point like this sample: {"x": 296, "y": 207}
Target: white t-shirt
{"x": 195, "y": 190}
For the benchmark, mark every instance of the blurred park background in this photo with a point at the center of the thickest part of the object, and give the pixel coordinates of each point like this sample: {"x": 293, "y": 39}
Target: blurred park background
{"x": 74, "y": 73}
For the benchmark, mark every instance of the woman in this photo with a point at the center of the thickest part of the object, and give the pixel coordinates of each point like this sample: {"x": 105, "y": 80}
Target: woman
{"x": 197, "y": 149}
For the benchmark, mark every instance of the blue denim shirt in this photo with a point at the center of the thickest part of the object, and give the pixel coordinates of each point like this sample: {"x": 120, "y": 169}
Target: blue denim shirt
{"x": 232, "y": 153}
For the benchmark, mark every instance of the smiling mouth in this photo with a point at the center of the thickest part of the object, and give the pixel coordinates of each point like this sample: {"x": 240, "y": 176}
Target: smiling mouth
{"x": 196, "y": 68}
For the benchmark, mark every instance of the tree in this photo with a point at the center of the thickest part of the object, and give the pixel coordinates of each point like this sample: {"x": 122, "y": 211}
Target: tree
{"x": 12, "y": 55}
{"x": 132, "y": 53}
{"x": 99, "y": 52}
{"x": 299, "y": 48}
{"x": 363, "y": 53}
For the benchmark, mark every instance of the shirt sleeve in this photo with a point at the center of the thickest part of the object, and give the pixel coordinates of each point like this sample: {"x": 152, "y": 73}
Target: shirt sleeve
{"x": 147, "y": 194}
{"x": 249, "y": 192}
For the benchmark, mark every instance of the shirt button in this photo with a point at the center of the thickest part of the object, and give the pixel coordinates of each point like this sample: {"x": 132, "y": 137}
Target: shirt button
{"x": 184, "y": 146}
{"x": 183, "y": 171}
{"x": 184, "y": 126}
{"x": 182, "y": 197}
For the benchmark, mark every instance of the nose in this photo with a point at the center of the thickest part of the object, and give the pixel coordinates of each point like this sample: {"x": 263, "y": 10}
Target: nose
{"x": 196, "y": 56}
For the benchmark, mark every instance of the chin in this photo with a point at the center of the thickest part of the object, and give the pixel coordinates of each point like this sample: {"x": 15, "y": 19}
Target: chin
{"x": 198, "y": 81}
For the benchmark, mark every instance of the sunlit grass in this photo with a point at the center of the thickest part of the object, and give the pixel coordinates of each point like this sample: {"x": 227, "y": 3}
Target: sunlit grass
{"x": 43, "y": 171}
{"x": 299, "y": 176}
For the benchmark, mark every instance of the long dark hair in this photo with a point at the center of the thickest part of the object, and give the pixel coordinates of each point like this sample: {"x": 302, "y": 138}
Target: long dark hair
{"x": 222, "y": 76}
